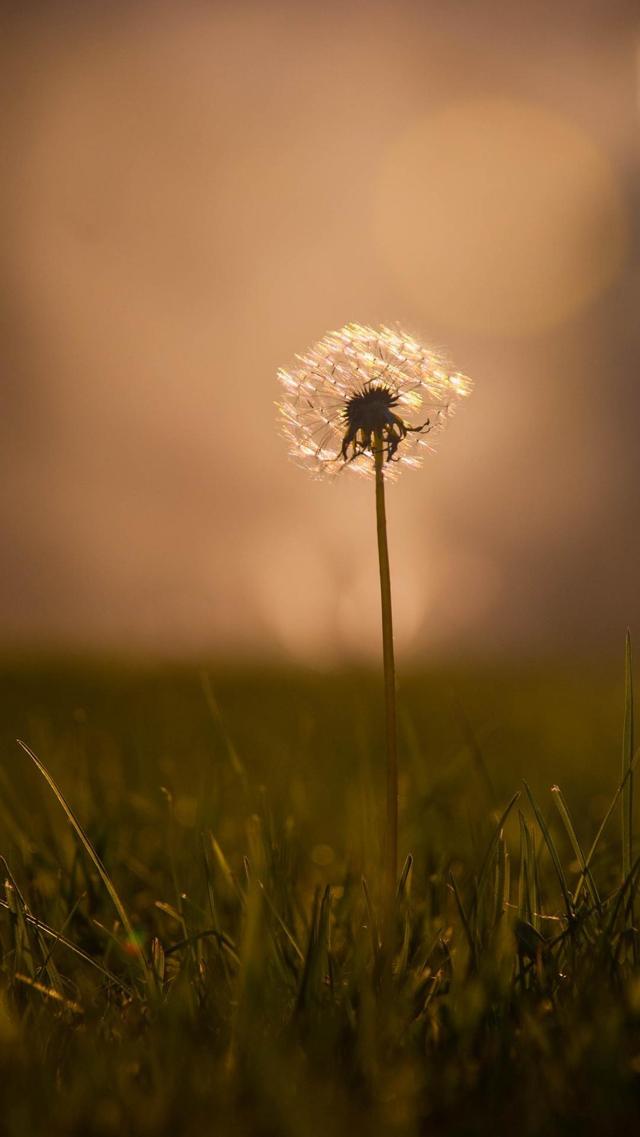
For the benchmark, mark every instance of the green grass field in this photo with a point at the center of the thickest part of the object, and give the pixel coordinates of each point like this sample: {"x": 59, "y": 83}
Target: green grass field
{"x": 201, "y": 953}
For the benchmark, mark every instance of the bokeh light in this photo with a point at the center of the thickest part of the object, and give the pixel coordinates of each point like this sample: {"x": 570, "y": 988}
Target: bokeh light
{"x": 499, "y": 216}
{"x": 195, "y": 193}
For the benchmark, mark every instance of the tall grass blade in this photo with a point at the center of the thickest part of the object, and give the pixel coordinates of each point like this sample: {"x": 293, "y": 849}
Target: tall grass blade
{"x": 586, "y": 873}
{"x": 213, "y": 908}
{"x": 553, "y": 852}
{"x": 528, "y": 900}
{"x": 225, "y": 869}
{"x": 626, "y": 890}
{"x": 603, "y": 823}
{"x": 488, "y": 857}
{"x": 501, "y": 889}
{"x": 465, "y": 921}
{"x": 146, "y": 971}
{"x": 627, "y": 759}
{"x": 281, "y": 924}
{"x": 403, "y": 883}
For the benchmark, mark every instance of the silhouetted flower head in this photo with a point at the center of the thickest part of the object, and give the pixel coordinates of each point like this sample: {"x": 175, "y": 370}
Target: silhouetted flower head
{"x": 362, "y": 388}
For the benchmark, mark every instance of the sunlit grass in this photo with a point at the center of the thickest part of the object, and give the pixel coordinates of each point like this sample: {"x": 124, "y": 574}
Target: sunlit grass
{"x": 191, "y": 919}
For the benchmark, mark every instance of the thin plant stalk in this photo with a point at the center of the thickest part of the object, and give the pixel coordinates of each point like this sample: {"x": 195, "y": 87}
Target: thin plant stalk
{"x": 391, "y": 729}
{"x": 345, "y": 400}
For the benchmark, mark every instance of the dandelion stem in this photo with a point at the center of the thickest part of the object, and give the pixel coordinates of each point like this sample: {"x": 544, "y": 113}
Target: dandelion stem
{"x": 389, "y": 683}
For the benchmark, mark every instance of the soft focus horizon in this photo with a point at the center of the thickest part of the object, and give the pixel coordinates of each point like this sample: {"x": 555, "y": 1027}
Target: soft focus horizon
{"x": 193, "y": 194}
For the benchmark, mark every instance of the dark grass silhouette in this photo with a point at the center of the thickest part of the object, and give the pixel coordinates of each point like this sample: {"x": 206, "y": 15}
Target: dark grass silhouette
{"x": 191, "y": 918}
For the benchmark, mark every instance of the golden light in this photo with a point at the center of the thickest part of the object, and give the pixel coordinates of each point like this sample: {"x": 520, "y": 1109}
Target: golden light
{"x": 360, "y": 636}
{"x": 499, "y": 216}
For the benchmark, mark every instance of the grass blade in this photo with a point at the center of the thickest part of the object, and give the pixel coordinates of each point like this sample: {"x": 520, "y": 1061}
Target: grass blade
{"x": 603, "y": 823}
{"x": 146, "y": 971}
{"x": 70, "y": 946}
{"x": 216, "y": 716}
{"x": 627, "y": 759}
{"x": 488, "y": 857}
{"x": 465, "y": 921}
{"x": 403, "y": 883}
{"x": 311, "y": 981}
{"x": 586, "y": 873}
{"x": 553, "y": 852}
{"x": 528, "y": 885}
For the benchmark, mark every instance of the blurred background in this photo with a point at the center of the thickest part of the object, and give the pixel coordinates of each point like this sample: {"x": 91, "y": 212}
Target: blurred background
{"x": 193, "y": 192}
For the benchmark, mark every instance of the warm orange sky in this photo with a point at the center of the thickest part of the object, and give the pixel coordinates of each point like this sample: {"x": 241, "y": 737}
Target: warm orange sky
{"x": 195, "y": 192}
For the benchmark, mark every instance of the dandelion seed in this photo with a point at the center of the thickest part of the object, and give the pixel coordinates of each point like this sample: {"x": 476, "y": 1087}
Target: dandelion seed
{"x": 372, "y": 401}
{"x": 361, "y": 380}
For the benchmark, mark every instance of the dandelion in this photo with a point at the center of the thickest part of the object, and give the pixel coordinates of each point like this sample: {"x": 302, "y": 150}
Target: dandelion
{"x": 371, "y": 401}
{"x": 360, "y": 380}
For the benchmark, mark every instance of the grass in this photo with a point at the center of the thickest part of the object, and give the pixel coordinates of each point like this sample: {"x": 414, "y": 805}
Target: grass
{"x": 190, "y": 929}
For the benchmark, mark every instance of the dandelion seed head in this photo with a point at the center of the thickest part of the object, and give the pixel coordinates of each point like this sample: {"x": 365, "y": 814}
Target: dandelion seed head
{"x": 362, "y": 387}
